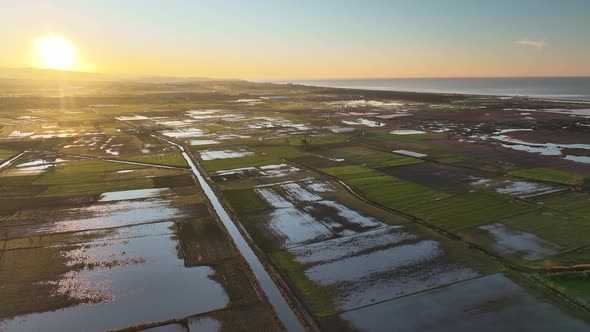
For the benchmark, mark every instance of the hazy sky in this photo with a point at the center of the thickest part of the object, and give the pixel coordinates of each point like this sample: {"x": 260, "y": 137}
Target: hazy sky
{"x": 307, "y": 39}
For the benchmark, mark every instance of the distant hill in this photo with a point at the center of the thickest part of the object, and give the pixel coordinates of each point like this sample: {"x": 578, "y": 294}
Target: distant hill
{"x": 164, "y": 79}
{"x": 50, "y": 75}
{"x": 39, "y": 74}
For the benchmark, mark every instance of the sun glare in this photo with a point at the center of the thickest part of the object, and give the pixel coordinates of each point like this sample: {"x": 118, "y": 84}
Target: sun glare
{"x": 55, "y": 52}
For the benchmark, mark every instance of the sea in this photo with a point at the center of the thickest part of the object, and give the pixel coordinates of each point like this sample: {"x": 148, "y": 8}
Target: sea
{"x": 561, "y": 88}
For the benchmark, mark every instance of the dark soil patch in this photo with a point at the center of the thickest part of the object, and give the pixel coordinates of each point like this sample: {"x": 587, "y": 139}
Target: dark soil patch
{"x": 202, "y": 242}
{"x": 173, "y": 181}
{"x": 568, "y": 136}
{"x": 498, "y": 155}
{"x": 438, "y": 176}
{"x": 316, "y": 162}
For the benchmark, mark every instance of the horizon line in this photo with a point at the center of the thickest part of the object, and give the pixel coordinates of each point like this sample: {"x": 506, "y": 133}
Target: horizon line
{"x": 297, "y": 79}
{"x": 414, "y": 77}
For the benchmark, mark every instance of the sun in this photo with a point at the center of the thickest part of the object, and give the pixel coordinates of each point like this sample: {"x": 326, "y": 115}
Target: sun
{"x": 55, "y": 52}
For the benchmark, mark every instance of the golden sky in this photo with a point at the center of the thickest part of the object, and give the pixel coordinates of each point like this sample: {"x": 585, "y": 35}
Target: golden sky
{"x": 301, "y": 39}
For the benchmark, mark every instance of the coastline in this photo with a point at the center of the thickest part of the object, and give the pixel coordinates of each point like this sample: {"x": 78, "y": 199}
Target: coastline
{"x": 533, "y": 88}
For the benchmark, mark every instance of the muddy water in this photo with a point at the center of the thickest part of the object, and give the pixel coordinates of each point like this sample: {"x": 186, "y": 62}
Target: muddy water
{"x": 293, "y": 226}
{"x": 132, "y": 194}
{"x": 274, "y": 199}
{"x": 527, "y": 245}
{"x": 487, "y": 304}
{"x": 341, "y": 219}
{"x": 224, "y": 154}
{"x": 580, "y": 159}
{"x": 395, "y": 262}
{"x": 203, "y": 142}
{"x": 330, "y": 251}
{"x": 524, "y": 189}
{"x": 117, "y": 284}
{"x": 275, "y": 297}
{"x": 169, "y": 328}
{"x": 407, "y": 132}
{"x": 365, "y": 122}
{"x": 410, "y": 153}
{"x": 320, "y": 186}
{"x": 296, "y": 193}
{"x": 108, "y": 215}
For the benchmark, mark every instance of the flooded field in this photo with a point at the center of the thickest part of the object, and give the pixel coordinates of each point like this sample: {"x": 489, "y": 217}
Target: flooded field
{"x": 491, "y": 303}
{"x": 300, "y": 214}
{"x": 107, "y": 215}
{"x": 238, "y": 206}
{"x": 97, "y": 245}
{"x": 395, "y": 260}
{"x": 102, "y": 280}
{"x": 529, "y": 245}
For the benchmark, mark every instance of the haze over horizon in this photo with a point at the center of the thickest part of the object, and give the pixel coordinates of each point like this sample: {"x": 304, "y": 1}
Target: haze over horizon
{"x": 299, "y": 39}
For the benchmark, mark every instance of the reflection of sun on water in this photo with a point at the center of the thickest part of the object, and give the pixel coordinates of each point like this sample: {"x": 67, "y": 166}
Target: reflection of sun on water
{"x": 55, "y": 52}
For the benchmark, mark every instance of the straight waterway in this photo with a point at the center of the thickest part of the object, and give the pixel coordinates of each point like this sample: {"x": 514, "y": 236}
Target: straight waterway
{"x": 275, "y": 297}
{"x": 10, "y": 161}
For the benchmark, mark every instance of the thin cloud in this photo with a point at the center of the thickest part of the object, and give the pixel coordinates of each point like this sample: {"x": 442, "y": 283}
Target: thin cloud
{"x": 538, "y": 44}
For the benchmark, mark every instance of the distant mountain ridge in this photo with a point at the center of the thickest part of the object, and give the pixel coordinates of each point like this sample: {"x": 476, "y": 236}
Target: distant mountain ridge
{"x": 44, "y": 74}
{"x": 50, "y": 74}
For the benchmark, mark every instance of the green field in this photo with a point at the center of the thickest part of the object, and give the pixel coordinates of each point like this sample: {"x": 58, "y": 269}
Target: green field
{"x": 386, "y": 190}
{"x": 545, "y": 174}
{"x": 6, "y": 154}
{"x": 263, "y": 155}
{"x": 577, "y": 256}
{"x": 575, "y": 285}
{"x": 245, "y": 201}
{"x": 468, "y": 210}
{"x": 319, "y": 299}
{"x": 167, "y": 159}
{"x": 576, "y": 204}
{"x": 553, "y": 226}
{"x": 365, "y": 156}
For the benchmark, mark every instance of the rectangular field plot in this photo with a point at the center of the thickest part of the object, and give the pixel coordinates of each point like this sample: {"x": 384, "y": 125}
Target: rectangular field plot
{"x": 6, "y": 154}
{"x": 524, "y": 189}
{"x": 100, "y": 215}
{"x": 318, "y": 162}
{"x": 530, "y": 236}
{"x": 576, "y": 204}
{"x": 507, "y": 241}
{"x": 364, "y": 156}
{"x": 75, "y": 195}
{"x": 574, "y": 285}
{"x": 438, "y": 176}
{"x": 579, "y": 256}
{"x": 545, "y": 174}
{"x": 386, "y": 190}
{"x": 255, "y": 317}
{"x": 467, "y": 210}
{"x": 285, "y": 227}
{"x": 173, "y": 158}
{"x": 136, "y": 270}
{"x": 258, "y": 156}
{"x": 259, "y": 175}
{"x": 553, "y": 226}
{"x": 491, "y": 303}
{"x": 245, "y": 201}
{"x": 395, "y": 260}
{"x": 301, "y": 213}
{"x": 202, "y": 241}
